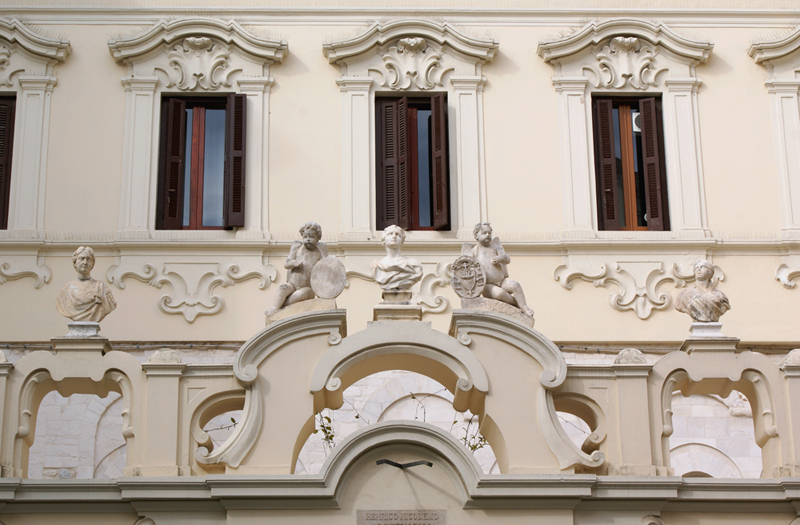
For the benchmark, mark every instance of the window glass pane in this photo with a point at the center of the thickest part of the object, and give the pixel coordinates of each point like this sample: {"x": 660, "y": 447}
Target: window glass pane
{"x": 187, "y": 174}
{"x": 638, "y": 167}
{"x": 424, "y": 170}
{"x": 620, "y": 181}
{"x": 213, "y": 167}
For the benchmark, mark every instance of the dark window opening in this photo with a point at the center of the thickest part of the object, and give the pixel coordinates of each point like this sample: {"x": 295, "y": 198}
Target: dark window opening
{"x": 630, "y": 169}
{"x": 7, "y": 109}
{"x": 201, "y": 177}
{"x": 412, "y": 163}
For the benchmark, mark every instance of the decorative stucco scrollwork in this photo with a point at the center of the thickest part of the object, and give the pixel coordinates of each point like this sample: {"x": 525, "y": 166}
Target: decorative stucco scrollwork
{"x": 199, "y": 62}
{"x": 786, "y": 275}
{"x": 192, "y": 283}
{"x": 412, "y": 60}
{"x": 19, "y": 267}
{"x": 626, "y": 61}
{"x": 639, "y": 280}
{"x": 245, "y": 368}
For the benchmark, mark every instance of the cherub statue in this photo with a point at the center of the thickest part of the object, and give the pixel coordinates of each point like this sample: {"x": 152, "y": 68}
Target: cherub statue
{"x": 303, "y": 255}
{"x": 703, "y": 302}
{"x": 493, "y": 260}
{"x": 395, "y": 272}
{"x": 85, "y": 299}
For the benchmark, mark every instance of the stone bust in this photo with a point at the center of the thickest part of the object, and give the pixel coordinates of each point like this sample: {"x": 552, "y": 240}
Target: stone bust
{"x": 85, "y": 299}
{"x": 703, "y": 302}
{"x": 395, "y": 272}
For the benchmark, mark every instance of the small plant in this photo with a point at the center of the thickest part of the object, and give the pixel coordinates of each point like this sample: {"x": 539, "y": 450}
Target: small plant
{"x": 221, "y": 427}
{"x": 325, "y": 425}
{"x": 473, "y": 440}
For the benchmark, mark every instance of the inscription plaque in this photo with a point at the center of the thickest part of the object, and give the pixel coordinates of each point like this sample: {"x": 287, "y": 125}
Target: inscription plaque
{"x": 401, "y": 517}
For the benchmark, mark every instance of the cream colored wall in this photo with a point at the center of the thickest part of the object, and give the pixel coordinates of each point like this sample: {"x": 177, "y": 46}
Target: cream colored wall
{"x": 523, "y": 192}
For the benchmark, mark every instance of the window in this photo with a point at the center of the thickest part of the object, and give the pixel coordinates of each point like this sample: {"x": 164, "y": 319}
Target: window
{"x": 629, "y": 158}
{"x": 412, "y": 176}
{"x": 202, "y": 163}
{"x": 6, "y": 147}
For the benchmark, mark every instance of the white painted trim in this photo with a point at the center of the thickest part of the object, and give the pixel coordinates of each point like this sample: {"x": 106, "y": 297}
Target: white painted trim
{"x": 364, "y": 72}
{"x": 151, "y": 75}
{"x": 29, "y": 71}
{"x": 579, "y": 75}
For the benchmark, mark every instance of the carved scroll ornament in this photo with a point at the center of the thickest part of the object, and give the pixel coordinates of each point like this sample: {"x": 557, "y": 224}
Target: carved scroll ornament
{"x": 627, "y": 62}
{"x": 412, "y": 61}
{"x": 199, "y": 62}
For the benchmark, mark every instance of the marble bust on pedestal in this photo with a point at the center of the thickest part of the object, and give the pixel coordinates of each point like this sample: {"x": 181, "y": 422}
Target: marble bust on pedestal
{"x": 395, "y": 272}
{"x": 703, "y": 302}
{"x": 85, "y": 299}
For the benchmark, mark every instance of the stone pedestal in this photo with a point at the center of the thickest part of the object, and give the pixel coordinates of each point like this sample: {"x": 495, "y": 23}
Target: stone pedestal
{"x": 397, "y": 306}
{"x": 704, "y": 330}
{"x": 498, "y": 307}
{"x": 311, "y": 305}
{"x": 82, "y": 338}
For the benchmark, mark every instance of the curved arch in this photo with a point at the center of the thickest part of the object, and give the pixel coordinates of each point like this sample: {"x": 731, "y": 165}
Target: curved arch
{"x": 691, "y": 458}
{"x": 423, "y": 438}
{"x": 392, "y": 346}
{"x": 209, "y": 408}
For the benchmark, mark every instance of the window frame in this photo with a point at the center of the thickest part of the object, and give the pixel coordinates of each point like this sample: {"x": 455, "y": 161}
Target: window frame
{"x": 173, "y": 156}
{"x": 654, "y": 176}
{"x": 8, "y": 103}
{"x": 404, "y": 158}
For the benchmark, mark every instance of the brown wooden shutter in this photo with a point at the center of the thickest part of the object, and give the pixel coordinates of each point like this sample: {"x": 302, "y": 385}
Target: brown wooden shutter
{"x": 173, "y": 153}
{"x": 440, "y": 196}
{"x": 393, "y": 180}
{"x": 654, "y": 173}
{"x": 6, "y": 146}
{"x": 606, "y": 162}
{"x": 235, "y": 145}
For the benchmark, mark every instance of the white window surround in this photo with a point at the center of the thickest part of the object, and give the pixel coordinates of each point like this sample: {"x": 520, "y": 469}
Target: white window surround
{"x": 27, "y": 69}
{"x": 407, "y": 57}
{"x": 781, "y": 57}
{"x": 629, "y": 57}
{"x": 192, "y": 56}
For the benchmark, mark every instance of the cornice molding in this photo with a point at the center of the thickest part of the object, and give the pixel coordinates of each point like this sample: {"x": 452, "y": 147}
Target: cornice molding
{"x": 42, "y": 47}
{"x": 172, "y": 31}
{"x": 382, "y": 34}
{"x": 766, "y": 50}
{"x": 594, "y": 33}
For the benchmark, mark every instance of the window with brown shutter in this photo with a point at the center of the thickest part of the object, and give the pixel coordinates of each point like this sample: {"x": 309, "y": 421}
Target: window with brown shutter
{"x": 7, "y": 106}
{"x": 202, "y": 163}
{"x": 629, "y": 164}
{"x": 412, "y": 161}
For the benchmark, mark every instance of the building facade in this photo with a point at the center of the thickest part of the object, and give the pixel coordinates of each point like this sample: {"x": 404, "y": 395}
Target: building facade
{"x": 611, "y": 145}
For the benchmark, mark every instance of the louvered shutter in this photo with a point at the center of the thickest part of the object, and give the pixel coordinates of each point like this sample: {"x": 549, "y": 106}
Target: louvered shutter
{"x": 6, "y": 146}
{"x": 173, "y": 153}
{"x": 235, "y": 145}
{"x": 440, "y": 196}
{"x": 606, "y": 162}
{"x": 654, "y": 173}
{"x": 393, "y": 178}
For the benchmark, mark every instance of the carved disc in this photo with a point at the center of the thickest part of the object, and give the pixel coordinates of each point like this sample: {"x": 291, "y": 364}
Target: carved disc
{"x": 328, "y": 277}
{"x": 468, "y": 279}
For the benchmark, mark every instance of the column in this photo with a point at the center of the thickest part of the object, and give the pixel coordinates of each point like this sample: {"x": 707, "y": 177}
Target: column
{"x": 137, "y": 195}
{"x": 162, "y": 418}
{"x": 357, "y": 136}
{"x": 786, "y": 126}
{"x": 257, "y": 169}
{"x": 577, "y": 172}
{"x": 29, "y": 167}
{"x": 466, "y": 145}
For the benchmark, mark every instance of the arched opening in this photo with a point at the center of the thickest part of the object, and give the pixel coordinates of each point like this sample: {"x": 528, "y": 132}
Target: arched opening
{"x": 393, "y": 395}
{"x": 78, "y": 437}
{"x": 714, "y": 435}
